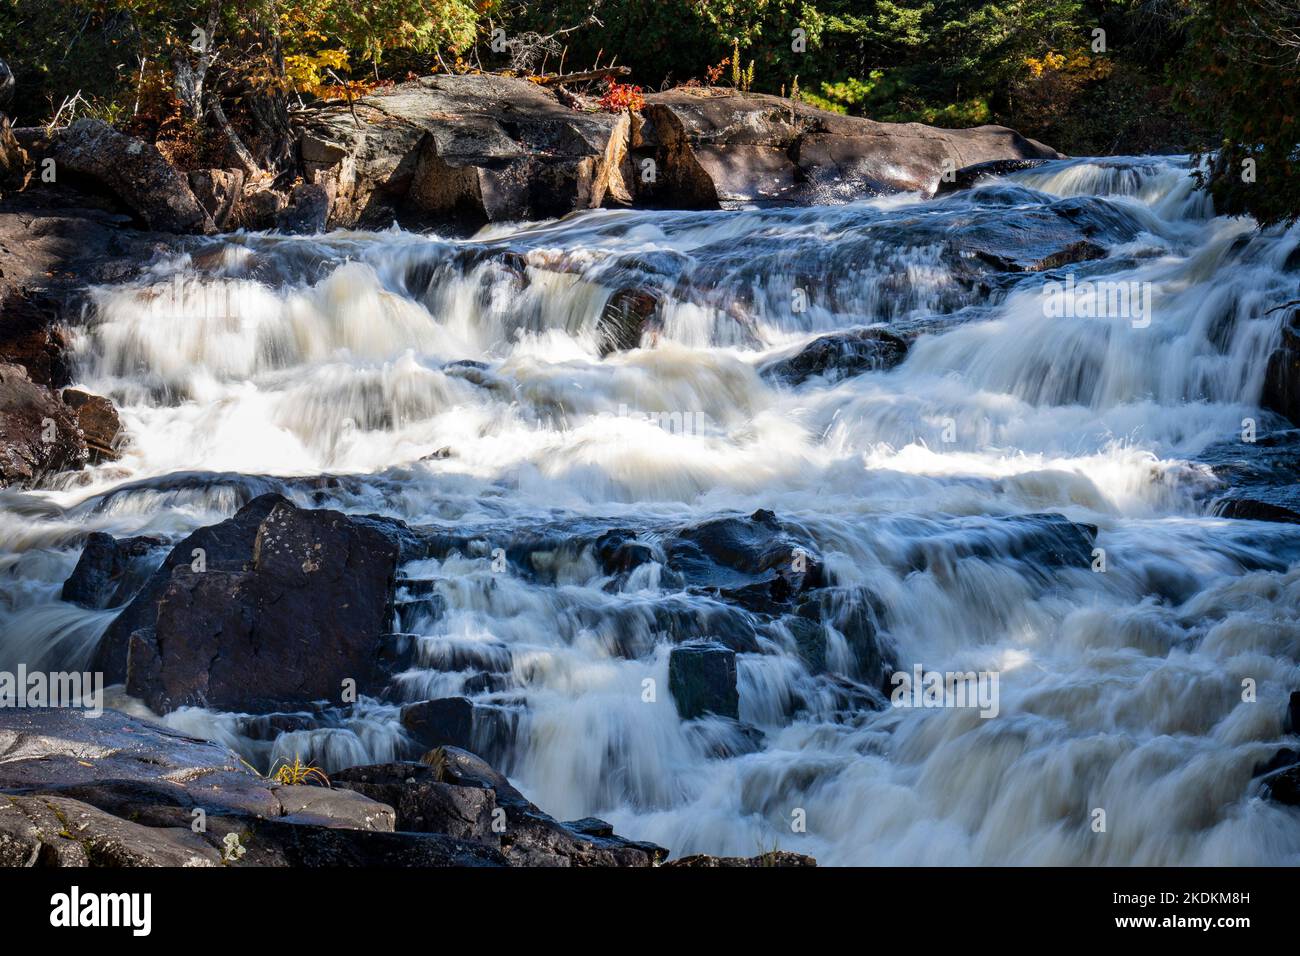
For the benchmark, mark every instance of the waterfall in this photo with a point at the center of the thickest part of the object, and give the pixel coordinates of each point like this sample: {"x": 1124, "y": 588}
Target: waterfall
{"x": 471, "y": 385}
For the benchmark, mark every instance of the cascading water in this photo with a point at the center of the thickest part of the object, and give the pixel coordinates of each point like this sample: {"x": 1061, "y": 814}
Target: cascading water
{"x": 469, "y": 385}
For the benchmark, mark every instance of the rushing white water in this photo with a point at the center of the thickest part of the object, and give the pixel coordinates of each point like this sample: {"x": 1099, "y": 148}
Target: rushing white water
{"x": 258, "y": 360}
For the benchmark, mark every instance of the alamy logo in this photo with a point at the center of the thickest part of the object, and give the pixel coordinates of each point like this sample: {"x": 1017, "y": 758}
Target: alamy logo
{"x": 923, "y": 688}
{"x": 1102, "y": 299}
{"x": 74, "y": 909}
{"x": 675, "y": 423}
{"x": 71, "y": 689}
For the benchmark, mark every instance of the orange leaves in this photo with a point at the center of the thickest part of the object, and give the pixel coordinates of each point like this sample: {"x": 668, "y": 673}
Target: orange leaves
{"x": 621, "y": 96}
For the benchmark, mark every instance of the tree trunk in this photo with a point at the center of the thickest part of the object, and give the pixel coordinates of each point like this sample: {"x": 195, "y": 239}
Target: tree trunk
{"x": 234, "y": 152}
{"x": 188, "y": 79}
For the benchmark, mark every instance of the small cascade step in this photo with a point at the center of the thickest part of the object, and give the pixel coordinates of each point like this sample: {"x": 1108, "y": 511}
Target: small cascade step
{"x": 422, "y": 611}
{"x": 463, "y": 654}
{"x": 416, "y": 587}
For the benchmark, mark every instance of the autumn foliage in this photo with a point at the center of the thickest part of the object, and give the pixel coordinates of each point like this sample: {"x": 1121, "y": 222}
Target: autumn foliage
{"x": 621, "y": 96}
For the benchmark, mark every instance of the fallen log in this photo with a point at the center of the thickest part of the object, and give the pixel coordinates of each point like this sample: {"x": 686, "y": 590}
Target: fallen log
{"x": 559, "y": 79}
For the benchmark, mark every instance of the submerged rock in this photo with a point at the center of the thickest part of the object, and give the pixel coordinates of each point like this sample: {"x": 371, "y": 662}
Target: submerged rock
{"x": 628, "y": 316}
{"x": 970, "y": 176}
{"x": 702, "y": 680}
{"x": 460, "y": 722}
{"x": 1283, "y": 786}
{"x": 853, "y": 615}
{"x": 1249, "y": 509}
{"x": 1282, "y": 379}
{"x": 1259, "y": 480}
{"x": 840, "y": 355}
{"x": 110, "y": 570}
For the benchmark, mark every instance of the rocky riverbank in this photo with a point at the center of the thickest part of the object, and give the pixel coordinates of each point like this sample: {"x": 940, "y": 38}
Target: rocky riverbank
{"x": 118, "y": 791}
{"x": 461, "y": 151}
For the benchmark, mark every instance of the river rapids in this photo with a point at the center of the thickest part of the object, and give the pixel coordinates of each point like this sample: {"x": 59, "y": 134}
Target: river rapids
{"x": 470, "y": 385}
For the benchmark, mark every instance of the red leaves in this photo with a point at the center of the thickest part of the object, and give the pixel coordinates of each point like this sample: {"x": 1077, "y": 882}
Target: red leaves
{"x": 621, "y": 96}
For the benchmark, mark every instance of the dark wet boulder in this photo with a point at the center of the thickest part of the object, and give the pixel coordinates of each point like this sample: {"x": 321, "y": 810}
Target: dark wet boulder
{"x": 969, "y": 176}
{"x": 267, "y": 727}
{"x": 754, "y": 562}
{"x": 307, "y": 212}
{"x": 1283, "y": 786}
{"x": 1282, "y": 379}
{"x": 459, "y": 722}
{"x": 745, "y": 545}
{"x": 100, "y": 427}
{"x": 631, "y": 627}
{"x": 118, "y": 791}
{"x": 301, "y": 624}
{"x": 1257, "y": 480}
{"x": 122, "y": 763}
{"x": 840, "y": 355}
{"x": 275, "y": 605}
{"x": 232, "y": 546}
{"x": 334, "y": 807}
{"x": 225, "y": 546}
{"x": 776, "y": 858}
{"x": 38, "y": 433}
{"x": 447, "y": 721}
{"x": 620, "y": 553}
{"x": 1286, "y": 757}
{"x": 132, "y": 171}
{"x": 1040, "y": 543}
{"x": 628, "y": 316}
{"x": 423, "y": 801}
{"x": 1251, "y": 509}
{"x": 532, "y": 837}
{"x": 837, "y": 630}
{"x": 152, "y": 775}
{"x": 131, "y": 791}
{"x": 702, "y": 680}
{"x": 111, "y": 570}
